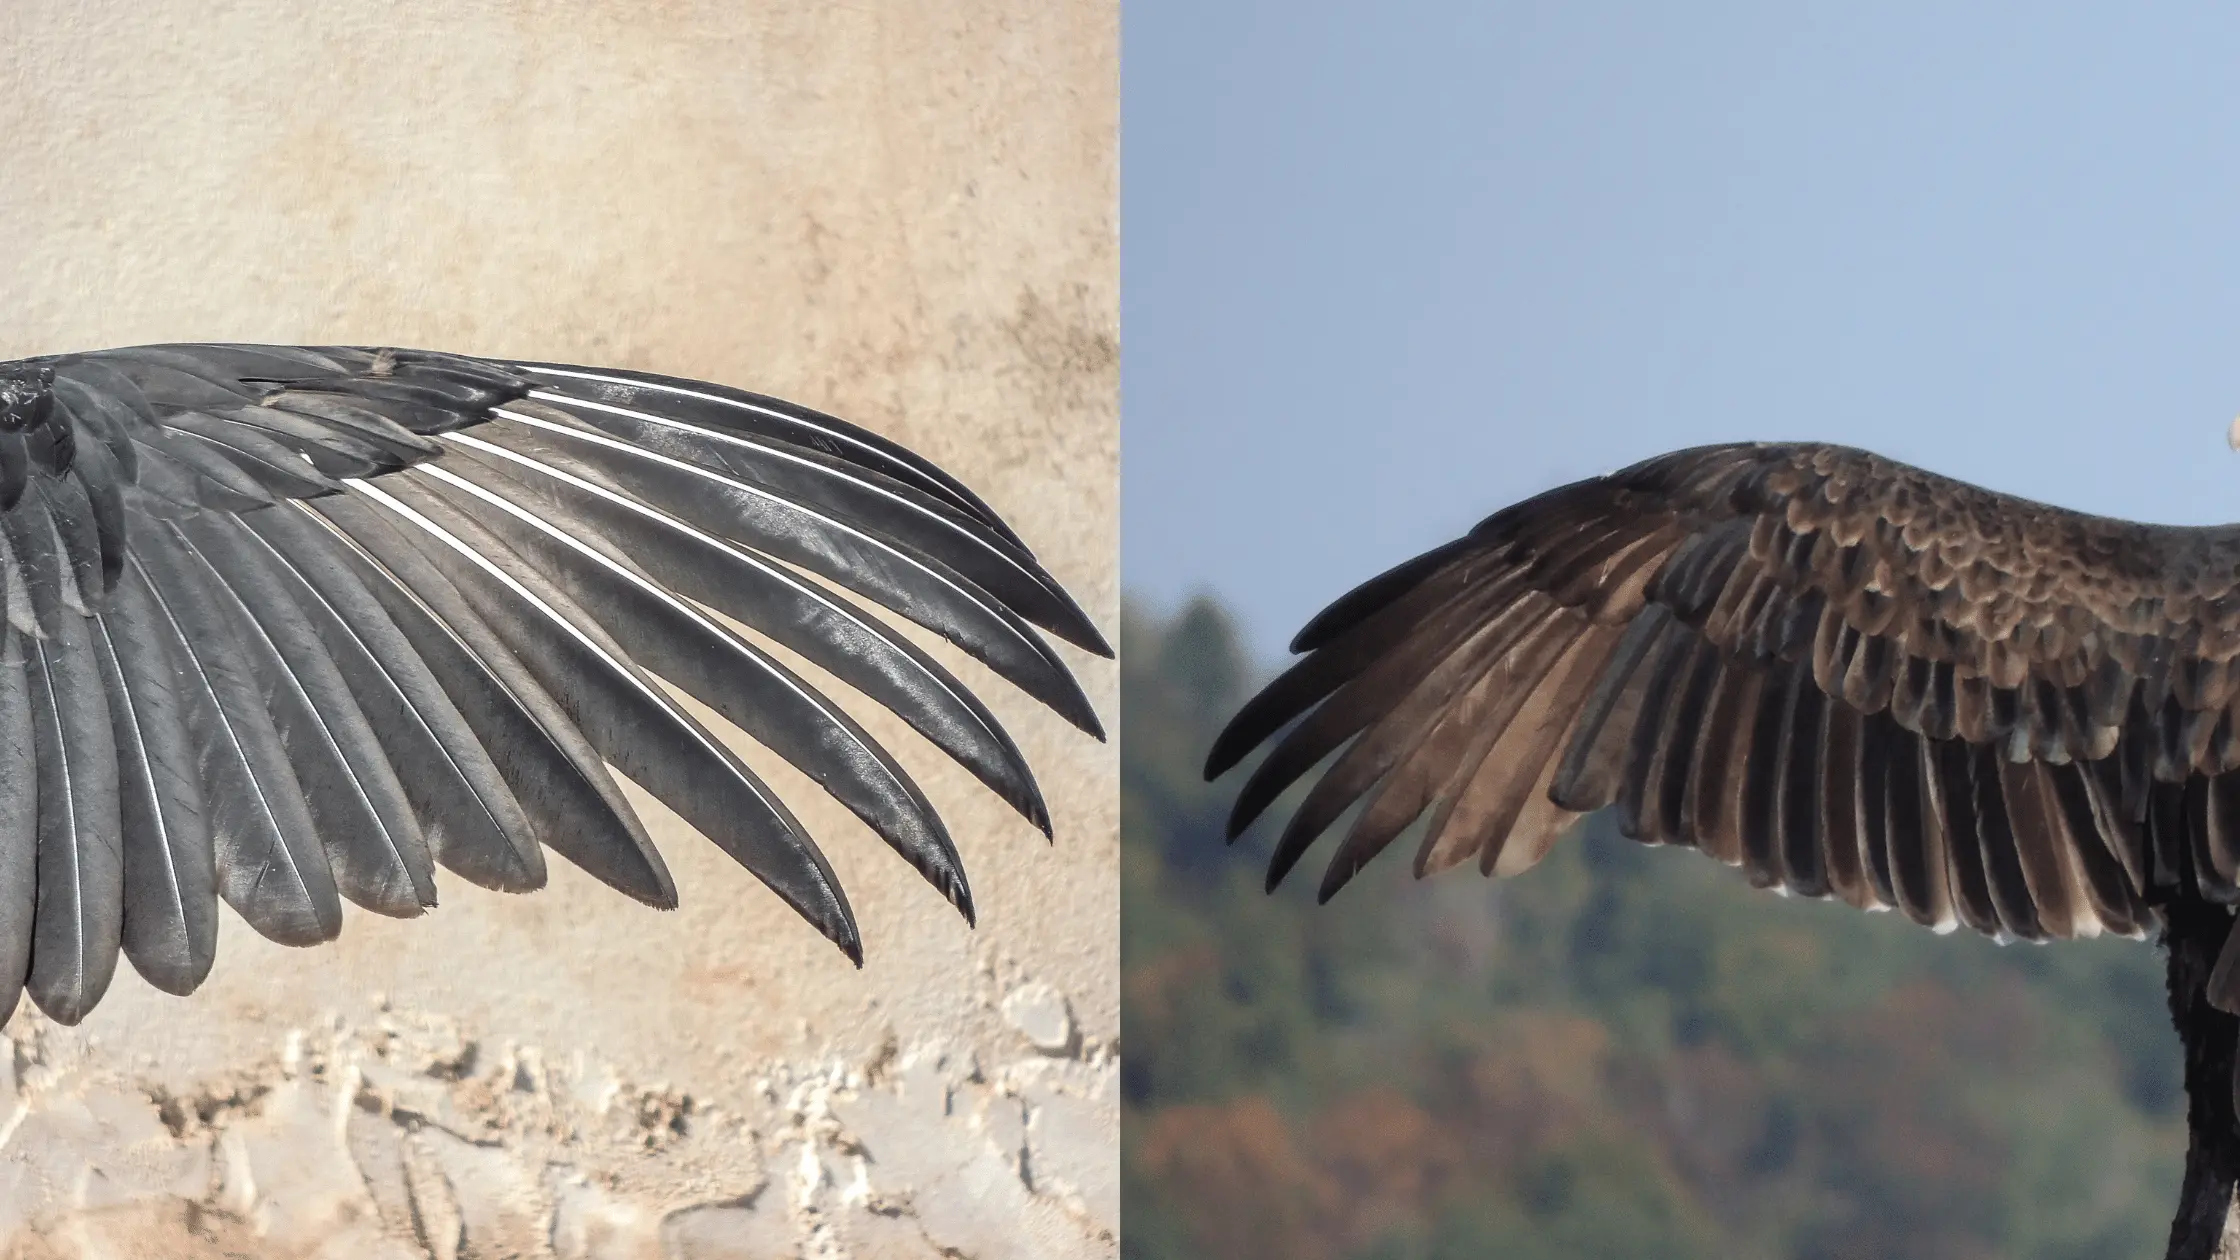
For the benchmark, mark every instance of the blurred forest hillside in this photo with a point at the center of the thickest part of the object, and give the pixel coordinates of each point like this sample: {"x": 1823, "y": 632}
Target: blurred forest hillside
{"x": 1626, "y": 1052}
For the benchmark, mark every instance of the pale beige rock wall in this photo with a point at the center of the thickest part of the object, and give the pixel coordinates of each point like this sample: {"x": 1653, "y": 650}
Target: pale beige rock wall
{"x": 902, "y": 212}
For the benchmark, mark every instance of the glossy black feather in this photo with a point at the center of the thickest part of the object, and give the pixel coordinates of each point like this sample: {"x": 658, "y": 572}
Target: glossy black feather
{"x": 253, "y": 656}
{"x": 170, "y": 865}
{"x": 623, "y": 713}
{"x": 358, "y": 807}
{"x": 828, "y": 630}
{"x": 892, "y": 511}
{"x": 677, "y": 642}
{"x": 573, "y": 805}
{"x": 271, "y": 867}
{"x": 19, "y": 820}
{"x": 78, "y": 924}
{"x": 473, "y": 824}
{"x": 740, "y": 411}
{"x": 912, "y": 584}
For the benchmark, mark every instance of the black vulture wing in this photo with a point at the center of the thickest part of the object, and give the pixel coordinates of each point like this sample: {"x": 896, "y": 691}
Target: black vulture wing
{"x": 283, "y": 627}
{"x": 1847, "y": 676}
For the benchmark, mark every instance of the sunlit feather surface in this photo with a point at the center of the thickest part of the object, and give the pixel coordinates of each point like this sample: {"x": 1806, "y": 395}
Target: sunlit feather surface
{"x": 285, "y": 627}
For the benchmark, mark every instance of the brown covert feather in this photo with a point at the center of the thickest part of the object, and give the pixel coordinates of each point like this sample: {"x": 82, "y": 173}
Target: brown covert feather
{"x": 1851, "y": 677}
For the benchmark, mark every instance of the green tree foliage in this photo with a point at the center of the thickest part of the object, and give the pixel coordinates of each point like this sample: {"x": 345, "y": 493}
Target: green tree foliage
{"x": 1625, "y": 1052}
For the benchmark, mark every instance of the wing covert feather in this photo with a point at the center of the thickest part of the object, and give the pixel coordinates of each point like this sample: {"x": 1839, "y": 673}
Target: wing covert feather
{"x": 1851, "y": 677}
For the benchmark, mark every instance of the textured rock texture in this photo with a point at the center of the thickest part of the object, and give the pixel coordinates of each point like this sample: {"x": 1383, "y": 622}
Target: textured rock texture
{"x": 903, "y": 213}
{"x": 407, "y": 1135}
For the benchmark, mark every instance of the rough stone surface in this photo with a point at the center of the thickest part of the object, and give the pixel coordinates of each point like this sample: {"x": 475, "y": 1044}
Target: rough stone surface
{"x": 404, "y": 1137}
{"x": 903, "y": 213}
{"x": 729, "y": 1232}
{"x": 1041, "y": 1015}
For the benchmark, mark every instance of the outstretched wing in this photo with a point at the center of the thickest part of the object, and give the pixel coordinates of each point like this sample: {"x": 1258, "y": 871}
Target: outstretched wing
{"x": 286, "y": 626}
{"x": 1845, "y": 675}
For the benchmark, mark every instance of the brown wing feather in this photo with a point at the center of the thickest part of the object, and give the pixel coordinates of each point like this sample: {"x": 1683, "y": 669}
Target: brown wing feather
{"x": 1917, "y": 831}
{"x": 1841, "y": 834}
{"x": 1412, "y": 736}
{"x": 1713, "y": 805}
{"x": 2218, "y": 836}
{"x": 1974, "y": 822}
{"x": 2002, "y": 843}
{"x": 1851, "y": 677}
{"x": 1671, "y": 766}
{"x": 1483, "y": 790}
{"x": 2040, "y": 838}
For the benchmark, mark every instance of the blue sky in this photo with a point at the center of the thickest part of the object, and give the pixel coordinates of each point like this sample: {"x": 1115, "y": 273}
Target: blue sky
{"x": 1387, "y": 267}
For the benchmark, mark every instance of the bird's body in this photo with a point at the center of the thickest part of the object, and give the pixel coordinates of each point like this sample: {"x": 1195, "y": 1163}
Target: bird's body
{"x": 285, "y": 627}
{"x": 1849, "y": 677}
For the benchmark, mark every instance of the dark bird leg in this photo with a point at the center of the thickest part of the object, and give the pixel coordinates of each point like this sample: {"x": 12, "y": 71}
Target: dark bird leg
{"x": 2208, "y": 1225}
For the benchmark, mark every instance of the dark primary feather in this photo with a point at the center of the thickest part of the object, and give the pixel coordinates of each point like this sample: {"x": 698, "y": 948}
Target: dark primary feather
{"x": 170, "y": 869}
{"x": 879, "y": 567}
{"x": 270, "y": 867}
{"x": 358, "y": 807}
{"x": 281, "y": 626}
{"x": 738, "y": 411}
{"x": 1849, "y": 677}
{"x": 19, "y": 805}
{"x": 832, "y": 633}
{"x": 557, "y": 777}
{"x": 77, "y": 928}
{"x": 473, "y": 822}
{"x": 624, "y": 714}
